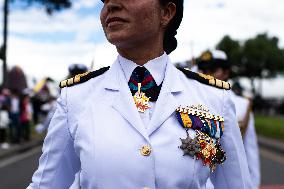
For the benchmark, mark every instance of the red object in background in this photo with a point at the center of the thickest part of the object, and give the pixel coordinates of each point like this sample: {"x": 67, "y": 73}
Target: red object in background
{"x": 25, "y": 114}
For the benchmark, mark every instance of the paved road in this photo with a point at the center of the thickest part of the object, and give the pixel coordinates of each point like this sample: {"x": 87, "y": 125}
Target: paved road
{"x": 15, "y": 173}
{"x": 272, "y": 168}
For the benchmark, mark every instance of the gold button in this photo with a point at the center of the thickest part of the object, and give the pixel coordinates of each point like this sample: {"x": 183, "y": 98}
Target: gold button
{"x": 145, "y": 150}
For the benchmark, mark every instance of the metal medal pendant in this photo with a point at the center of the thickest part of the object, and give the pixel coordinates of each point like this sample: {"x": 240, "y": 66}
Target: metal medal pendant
{"x": 141, "y": 100}
{"x": 189, "y": 146}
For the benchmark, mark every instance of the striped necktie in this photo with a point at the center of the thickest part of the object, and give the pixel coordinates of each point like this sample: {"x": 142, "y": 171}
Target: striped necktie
{"x": 148, "y": 84}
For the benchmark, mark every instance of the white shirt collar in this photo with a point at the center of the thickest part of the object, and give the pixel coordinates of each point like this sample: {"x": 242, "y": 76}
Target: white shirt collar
{"x": 157, "y": 67}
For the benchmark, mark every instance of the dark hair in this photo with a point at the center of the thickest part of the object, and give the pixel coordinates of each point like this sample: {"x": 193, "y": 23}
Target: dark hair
{"x": 213, "y": 64}
{"x": 170, "y": 42}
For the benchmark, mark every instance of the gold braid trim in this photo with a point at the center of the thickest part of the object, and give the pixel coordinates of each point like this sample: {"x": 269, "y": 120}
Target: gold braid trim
{"x": 215, "y": 82}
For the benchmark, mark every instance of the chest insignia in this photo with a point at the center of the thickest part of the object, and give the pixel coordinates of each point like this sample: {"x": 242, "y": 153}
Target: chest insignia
{"x": 209, "y": 129}
{"x": 141, "y": 100}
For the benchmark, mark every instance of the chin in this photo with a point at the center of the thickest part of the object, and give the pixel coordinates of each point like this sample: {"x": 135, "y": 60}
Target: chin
{"x": 118, "y": 38}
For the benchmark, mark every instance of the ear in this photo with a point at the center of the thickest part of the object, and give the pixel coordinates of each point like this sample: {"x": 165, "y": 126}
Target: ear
{"x": 167, "y": 14}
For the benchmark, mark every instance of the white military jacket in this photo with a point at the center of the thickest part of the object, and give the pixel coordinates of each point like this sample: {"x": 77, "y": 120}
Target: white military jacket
{"x": 97, "y": 130}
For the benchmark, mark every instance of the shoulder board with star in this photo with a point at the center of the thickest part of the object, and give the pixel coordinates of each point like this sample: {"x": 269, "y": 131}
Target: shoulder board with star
{"x": 81, "y": 78}
{"x": 206, "y": 79}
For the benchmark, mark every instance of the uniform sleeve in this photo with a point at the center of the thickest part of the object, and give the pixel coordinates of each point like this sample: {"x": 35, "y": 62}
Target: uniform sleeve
{"x": 251, "y": 148}
{"x": 58, "y": 162}
{"x": 234, "y": 173}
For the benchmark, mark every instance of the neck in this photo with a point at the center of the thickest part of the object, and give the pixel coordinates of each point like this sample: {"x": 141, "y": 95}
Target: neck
{"x": 143, "y": 52}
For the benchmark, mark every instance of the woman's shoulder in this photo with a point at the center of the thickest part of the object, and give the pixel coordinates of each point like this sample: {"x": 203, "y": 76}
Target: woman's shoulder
{"x": 76, "y": 91}
{"x": 82, "y": 78}
{"x": 206, "y": 79}
{"x": 205, "y": 89}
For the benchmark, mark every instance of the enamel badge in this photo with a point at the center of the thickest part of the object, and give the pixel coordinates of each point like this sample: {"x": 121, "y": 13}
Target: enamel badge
{"x": 141, "y": 100}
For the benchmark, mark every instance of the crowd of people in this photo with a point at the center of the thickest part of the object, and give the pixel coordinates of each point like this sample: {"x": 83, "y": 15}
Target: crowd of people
{"x": 22, "y": 109}
{"x": 15, "y": 117}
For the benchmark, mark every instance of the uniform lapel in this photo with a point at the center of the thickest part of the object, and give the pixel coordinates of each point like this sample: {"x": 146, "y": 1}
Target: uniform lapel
{"x": 168, "y": 98}
{"x": 122, "y": 100}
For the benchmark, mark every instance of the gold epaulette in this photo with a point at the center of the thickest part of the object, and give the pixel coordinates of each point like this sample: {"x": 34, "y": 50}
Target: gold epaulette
{"x": 215, "y": 82}
{"x": 81, "y": 78}
{"x": 206, "y": 79}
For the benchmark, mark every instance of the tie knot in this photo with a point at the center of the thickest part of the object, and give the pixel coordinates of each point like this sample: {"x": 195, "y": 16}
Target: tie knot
{"x": 148, "y": 85}
{"x": 139, "y": 73}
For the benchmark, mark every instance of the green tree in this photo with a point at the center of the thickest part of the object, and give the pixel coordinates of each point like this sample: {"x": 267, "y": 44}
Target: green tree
{"x": 262, "y": 58}
{"x": 258, "y": 57}
{"x": 50, "y": 6}
{"x": 234, "y": 53}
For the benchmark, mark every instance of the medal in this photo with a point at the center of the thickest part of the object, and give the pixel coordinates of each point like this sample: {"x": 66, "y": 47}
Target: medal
{"x": 141, "y": 100}
{"x": 205, "y": 146}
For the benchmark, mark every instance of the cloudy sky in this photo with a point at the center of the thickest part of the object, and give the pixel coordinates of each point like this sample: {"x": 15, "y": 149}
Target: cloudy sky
{"x": 45, "y": 45}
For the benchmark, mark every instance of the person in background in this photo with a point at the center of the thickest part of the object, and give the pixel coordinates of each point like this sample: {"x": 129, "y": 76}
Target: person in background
{"x": 215, "y": 63}
{"x": 40, "y": 95}
{"x": 25, "y": 116}
{"x": 14, "y": 117}
{"x": 50, "y": 106}
{"x": 75, "y": 69}
{"x": 4, "y": 125}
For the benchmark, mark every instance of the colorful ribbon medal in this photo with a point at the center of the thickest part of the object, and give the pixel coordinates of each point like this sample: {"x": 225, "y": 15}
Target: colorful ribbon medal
{"x": 209, "y": 129}
{"x": 141, "y": 100}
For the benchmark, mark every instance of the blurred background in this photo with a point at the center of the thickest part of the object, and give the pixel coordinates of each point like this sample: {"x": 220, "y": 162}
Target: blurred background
{"x": 45, "y": 41}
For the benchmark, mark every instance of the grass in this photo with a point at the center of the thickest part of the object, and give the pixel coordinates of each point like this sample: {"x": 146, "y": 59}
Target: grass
{"x": 270, "y": 126}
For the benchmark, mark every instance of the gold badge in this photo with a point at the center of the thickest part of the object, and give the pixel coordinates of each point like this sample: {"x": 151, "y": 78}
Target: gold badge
{"x": 206, "y": 56}
{"x": 141, "y": 100}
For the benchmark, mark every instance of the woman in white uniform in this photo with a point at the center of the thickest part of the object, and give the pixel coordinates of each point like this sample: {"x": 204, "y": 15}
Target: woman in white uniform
{"x": 142, "y": 123}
